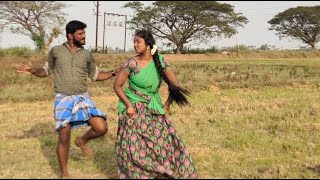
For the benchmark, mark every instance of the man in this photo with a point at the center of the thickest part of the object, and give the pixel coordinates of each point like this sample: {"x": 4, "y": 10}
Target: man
{"x": 70, "y": 64}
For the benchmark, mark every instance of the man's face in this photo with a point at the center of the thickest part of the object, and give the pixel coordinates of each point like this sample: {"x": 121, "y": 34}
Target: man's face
{"x": 79, "y": 37}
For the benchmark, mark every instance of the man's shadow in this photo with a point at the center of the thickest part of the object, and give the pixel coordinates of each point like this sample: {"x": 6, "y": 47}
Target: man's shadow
{"x": 104, "y": 155}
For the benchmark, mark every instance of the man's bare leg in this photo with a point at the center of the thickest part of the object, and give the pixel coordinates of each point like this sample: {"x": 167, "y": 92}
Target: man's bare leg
{"x": 62, "y": 150}
{"x": 98, "y": 128}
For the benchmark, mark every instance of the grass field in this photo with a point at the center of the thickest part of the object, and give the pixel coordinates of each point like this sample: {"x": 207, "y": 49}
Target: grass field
{"x": 249, "y": 118}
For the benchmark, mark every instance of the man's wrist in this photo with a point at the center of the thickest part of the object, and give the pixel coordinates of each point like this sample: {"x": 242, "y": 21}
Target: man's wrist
{"x": 113, "y": 72}
{"x": 33, "y": 71}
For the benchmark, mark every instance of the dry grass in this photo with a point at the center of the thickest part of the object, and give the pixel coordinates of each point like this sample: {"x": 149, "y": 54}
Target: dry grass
{"x": 260, "y": 122}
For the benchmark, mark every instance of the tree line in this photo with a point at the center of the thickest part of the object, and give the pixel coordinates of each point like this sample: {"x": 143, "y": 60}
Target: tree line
{"x": 176, "y": 22}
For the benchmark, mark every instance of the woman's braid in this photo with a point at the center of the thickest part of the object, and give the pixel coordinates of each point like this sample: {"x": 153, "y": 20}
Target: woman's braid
{"x": 178, "y": 94}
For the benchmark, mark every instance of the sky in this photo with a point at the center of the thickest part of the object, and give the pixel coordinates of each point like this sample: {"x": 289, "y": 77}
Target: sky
{"x": 254, "y": 33}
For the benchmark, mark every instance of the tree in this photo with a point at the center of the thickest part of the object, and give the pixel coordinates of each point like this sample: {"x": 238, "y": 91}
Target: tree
{"x": 301, "y": 23}
{"x": 40, "y": 20}
{"x": 264, "y": 47}
{"x": 181, "y": 22}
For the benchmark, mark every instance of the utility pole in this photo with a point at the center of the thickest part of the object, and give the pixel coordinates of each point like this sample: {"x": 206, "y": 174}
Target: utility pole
{"x": 97, "y": 17}
{"x": 125, "y": 33}
{"x": 237, "y": 44}
{"x": 104, "y": 29}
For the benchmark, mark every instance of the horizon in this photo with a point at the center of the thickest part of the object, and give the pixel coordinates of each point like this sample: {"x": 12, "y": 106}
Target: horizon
{"x": 254, "y": 33}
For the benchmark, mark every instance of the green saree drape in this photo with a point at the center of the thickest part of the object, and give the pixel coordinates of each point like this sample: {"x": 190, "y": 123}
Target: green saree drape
{"x": 147, "y": 82}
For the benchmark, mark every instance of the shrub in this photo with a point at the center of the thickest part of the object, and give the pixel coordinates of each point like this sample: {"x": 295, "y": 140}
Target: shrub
{"x": 24, "y": 52}
{"x": 2, "y": 53}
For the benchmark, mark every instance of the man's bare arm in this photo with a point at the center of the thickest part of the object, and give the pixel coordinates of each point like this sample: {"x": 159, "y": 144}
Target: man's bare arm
{"x": 107, "y": 75}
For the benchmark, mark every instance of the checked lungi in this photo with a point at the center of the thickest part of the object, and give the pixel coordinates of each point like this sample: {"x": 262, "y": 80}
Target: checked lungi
{"x": 75, "y": 110}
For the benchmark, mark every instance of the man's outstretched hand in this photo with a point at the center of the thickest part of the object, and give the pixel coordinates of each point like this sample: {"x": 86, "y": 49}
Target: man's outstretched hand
{"x": 22, "y": 68}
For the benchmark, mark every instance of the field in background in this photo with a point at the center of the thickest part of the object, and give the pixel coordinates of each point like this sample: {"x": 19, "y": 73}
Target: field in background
{"x": 251, "y": 116}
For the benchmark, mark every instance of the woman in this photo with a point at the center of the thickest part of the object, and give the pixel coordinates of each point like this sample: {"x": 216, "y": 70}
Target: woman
{"x": 147, "y": 144}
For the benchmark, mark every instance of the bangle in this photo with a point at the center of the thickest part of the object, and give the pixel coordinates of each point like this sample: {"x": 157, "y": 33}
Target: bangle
{"x": 113, "y": 73}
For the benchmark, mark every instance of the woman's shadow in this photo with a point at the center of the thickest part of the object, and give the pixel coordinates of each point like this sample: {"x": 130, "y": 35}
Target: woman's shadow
{"x": 104, "y": 155}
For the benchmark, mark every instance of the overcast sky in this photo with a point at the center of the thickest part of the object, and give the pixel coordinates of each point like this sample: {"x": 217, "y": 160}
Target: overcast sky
{"x": 254, "y": 33}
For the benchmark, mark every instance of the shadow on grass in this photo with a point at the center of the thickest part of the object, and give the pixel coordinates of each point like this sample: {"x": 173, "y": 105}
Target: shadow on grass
{"x": 315, "y": 168}
{"x": 104, "y": 157}
{"x": 44, "y": 132}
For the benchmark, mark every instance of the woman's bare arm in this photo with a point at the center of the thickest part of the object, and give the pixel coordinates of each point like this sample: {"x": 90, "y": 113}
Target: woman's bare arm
{"x": 117, "y": 86}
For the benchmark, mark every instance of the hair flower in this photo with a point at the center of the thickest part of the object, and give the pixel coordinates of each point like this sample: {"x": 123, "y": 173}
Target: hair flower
{"x": 154, "y": 49}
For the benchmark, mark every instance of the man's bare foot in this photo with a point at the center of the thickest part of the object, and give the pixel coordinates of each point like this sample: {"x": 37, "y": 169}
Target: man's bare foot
{"x": 84, "y": 148}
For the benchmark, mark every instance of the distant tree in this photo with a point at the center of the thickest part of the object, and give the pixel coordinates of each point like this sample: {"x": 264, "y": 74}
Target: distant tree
{"x": 302, "y": 23}
{"x": 42, "y": 21}
{"x": 264, "y": 47}
{"x": 184, "y": 21}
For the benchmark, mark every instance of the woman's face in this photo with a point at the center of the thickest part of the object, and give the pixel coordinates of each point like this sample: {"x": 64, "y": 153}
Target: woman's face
{"x": 139, "y": 45}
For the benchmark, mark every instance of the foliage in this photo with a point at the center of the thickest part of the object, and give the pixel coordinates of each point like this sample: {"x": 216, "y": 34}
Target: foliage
{"x": 42, "y": 21}
{"x": 301, "y": 23}
{"x": 39, "y": 41}
{"x": 23, "y": 52}
{"x": 181, "y": 22}
{"x": 193, "y": 51}
{"x": 2, "y": 53}
{"x": 237, "y": 48}
{"x": 200, "y": 51}
{"x": 264, "y": 47}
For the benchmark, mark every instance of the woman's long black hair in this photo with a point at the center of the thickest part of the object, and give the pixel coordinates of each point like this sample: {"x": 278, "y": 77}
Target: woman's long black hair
{"x": 178, "y": 94}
